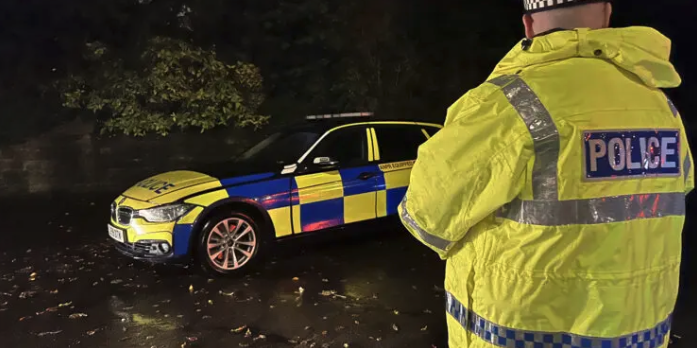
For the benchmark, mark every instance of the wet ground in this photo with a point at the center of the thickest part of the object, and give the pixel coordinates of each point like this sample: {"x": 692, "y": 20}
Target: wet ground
{"x": 62, "y": 285}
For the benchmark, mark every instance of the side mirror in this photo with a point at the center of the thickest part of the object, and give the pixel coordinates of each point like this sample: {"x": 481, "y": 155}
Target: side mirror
{"x": 324, "y": 161}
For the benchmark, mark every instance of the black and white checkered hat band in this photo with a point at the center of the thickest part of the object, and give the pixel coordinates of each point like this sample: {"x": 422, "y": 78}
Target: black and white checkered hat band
{"x": 541, "y": 5}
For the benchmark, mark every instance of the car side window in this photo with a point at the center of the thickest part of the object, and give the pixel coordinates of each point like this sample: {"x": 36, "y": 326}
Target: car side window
{"x": 348, "y": 146}
{"x": 399, "y": 143}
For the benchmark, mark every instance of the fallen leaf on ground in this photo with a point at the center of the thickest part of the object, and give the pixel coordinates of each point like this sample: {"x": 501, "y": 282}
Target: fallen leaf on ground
{"x": 92, "y": 332}
{"x": 229, "y": 294}
{"x": 65, "y": 304}
{"x": 191, "y": 288}
{"x": 77, "y": 315}
{"x": 27, "y": 294}
{"x": 53, "y": 292}
{"x": 301, "y": 290}
{"x": 295, "y": 279}
{"x": 260, "y": 337}
{"x": 395, "y": 327}
{"x": 116, "y": 281}
{"x": 248, "y": 333}
{"x": 210, "y": 302}
{"x": 49, "y": 333}
{"x": 192, "y": 339}
{"x": 25, "y": 318}
{"x": 396, "y": 312}
{"x": 325, "y": 280}
{"x": 239, "y": 329}
{"x": 424, "y": 328}
{"x": 346, "y": 345}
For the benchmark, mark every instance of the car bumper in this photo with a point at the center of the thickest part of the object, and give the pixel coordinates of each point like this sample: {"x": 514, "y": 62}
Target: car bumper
{"x": 140, "y": 251}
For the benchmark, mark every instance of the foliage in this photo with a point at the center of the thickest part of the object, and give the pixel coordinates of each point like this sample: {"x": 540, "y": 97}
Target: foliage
{"x": 170, "y": 84}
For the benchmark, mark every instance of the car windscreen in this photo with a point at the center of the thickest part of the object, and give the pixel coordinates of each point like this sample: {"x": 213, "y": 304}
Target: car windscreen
{"x": 281, "y": 147}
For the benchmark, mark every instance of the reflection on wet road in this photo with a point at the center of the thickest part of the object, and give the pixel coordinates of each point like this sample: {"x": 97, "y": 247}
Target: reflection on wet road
{"x": 63, "y": 285}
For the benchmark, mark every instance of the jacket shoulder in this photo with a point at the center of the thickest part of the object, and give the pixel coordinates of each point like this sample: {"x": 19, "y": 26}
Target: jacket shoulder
{"x": 486, "y": 101}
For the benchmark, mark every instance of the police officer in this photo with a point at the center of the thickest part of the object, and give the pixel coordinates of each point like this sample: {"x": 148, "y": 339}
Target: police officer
{"x": 556, "y": 190}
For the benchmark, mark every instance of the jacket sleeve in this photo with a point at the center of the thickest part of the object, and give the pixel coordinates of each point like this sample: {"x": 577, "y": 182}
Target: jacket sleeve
{"x": 463, "y": 174}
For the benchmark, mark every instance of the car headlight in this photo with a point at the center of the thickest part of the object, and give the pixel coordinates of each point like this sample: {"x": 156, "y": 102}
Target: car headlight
{"x": 167, "y": 213}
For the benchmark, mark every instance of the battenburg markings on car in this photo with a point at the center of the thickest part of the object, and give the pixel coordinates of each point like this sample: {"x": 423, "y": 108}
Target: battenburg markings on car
{"x": 616, "y": 154}
{"x": 349, "y": 114}
{"x": 155, "y": 185}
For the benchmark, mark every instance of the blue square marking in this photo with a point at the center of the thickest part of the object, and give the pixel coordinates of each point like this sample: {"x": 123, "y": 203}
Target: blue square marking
{"x": 566, "y": 339}
{"x": 617, "y": 154}
{"x": 355, "y": 186}
{"x": 519, "y": 344}
{"x": 547, "y": 338}
{"x": 502, "y": 341}
{"x": 182, "y": 238}
{"x": 394, "y": 197}
{"x": 586, "y": 343}
{"x": 606, "y": 344}
{"x": 510, "y": 334}
{"x": 528, "y": 337}
{"x": 320, "y": 215}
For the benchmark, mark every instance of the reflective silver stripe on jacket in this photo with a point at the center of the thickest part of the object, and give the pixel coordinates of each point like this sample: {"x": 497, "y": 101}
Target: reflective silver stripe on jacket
{"x": 673, "y": 109}
{"x": 686, "y": 167}
{"x": 434, "y": 241}
{"x": 544, "y": 134}
{"x": 594, "y": 211}
{"x": 546, "y": 209}
{"x": 501, "y": 336}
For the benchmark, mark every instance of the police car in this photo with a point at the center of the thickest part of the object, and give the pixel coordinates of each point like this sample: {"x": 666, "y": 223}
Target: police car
{"x": 329, "y": 172}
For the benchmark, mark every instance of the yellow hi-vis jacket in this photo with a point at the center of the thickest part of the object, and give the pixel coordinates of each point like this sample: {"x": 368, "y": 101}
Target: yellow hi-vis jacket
{"x": 556, "y": 193}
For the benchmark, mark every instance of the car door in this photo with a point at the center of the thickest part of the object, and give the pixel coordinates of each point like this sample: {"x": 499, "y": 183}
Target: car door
{"x": 336, "y": 184}
{"x": 396, "y": 147}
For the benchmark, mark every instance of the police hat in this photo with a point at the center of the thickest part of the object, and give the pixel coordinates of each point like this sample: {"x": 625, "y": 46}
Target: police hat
{"x": 532, "y": 6}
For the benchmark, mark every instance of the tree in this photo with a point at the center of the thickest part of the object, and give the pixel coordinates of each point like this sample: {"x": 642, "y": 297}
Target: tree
{"x": 169, "y": 84}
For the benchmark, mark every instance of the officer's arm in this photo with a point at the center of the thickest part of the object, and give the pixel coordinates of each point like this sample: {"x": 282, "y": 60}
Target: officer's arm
{"x": 463, "y": 174}
{"x": 688, "y": 163}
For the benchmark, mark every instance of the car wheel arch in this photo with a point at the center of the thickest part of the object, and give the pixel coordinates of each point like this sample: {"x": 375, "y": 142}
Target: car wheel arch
{"x": 237, "y": 204}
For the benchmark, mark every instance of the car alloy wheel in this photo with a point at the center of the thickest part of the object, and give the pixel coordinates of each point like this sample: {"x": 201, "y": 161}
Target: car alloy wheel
{"x": 231, "y": 244}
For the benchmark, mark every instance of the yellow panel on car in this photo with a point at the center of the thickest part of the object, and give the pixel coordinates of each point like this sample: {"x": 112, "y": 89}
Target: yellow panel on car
{"x": 281, "y": 221}
{"x": 208, "y": 198}
{"x": 191, "y": 216}
{"x": 187, "y": 191}
{"x": 319, "y": 187}
{"x": 381, "y": 207}
{"x": 297, "y": 227}
{"x": 397, "y": 174}
{"x": 359, "y": 207}
{"x": 165, "y": 236}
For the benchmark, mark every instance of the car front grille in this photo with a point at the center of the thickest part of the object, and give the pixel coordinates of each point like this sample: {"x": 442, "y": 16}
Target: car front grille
{"x": 124, "y": 215}
{"x": 142, "y": 247}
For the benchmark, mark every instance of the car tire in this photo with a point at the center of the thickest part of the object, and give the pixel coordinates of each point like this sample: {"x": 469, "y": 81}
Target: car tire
{"x": 229, "y": 244}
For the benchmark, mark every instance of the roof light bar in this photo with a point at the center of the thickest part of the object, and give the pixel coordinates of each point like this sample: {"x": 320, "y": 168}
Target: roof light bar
{"x": 348, "y": 114}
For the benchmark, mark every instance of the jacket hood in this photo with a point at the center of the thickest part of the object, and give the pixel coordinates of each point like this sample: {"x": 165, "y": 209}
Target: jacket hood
{"x": 642, "y": 51}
